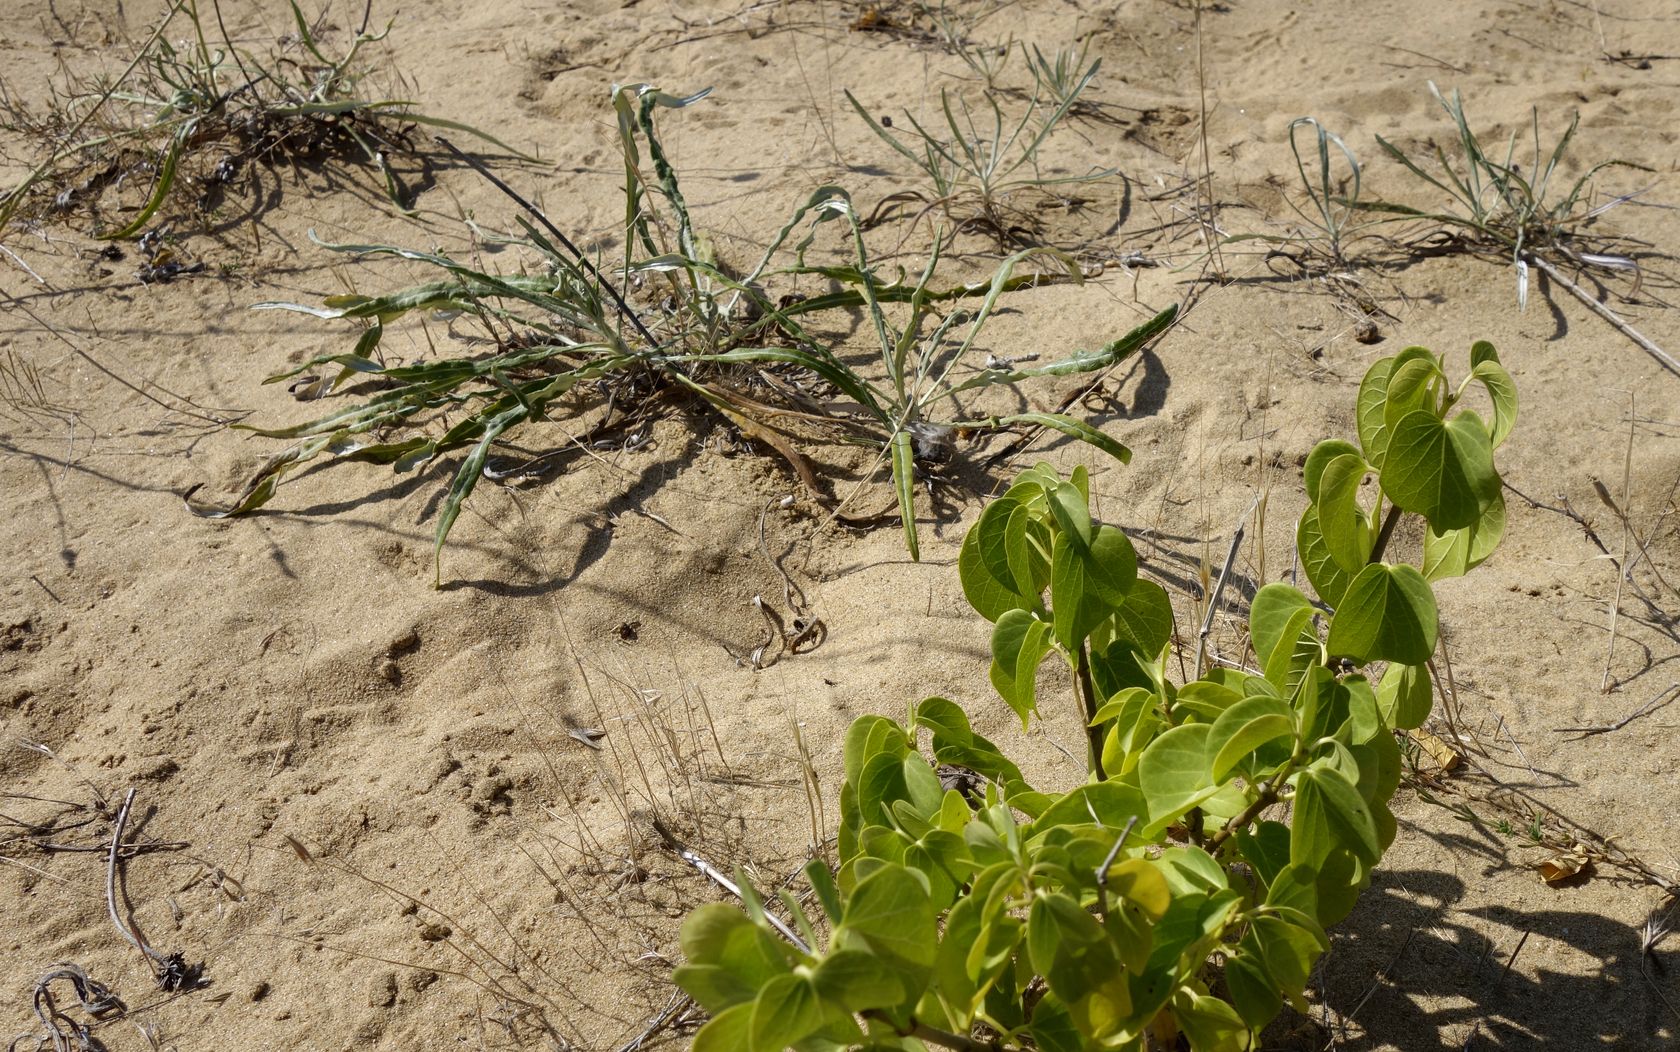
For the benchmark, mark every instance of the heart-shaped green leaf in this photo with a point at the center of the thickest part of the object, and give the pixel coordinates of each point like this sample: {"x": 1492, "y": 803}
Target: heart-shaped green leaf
{"x": 1454, "y": 553}
{"x": 1345, "y": 525}
{"x": 1243, "y": 728}
{"x": 889, "y": 913}
{"x": 1388, "y": 614}
{"x": 1075, "y": 607}
{"x": 1321, "y": 455}
{"x": 983, "y": 565}
{"x": 1173, "y": 773}
{"x": 1276, "y": 620}
{"x": 1110, "y": 565}
{"x": 1441, "y": 470}
{"x": 1019, "y": 642}
{"x": 1345, "y": 812}
{"x": 1486, "y": 369}
{"x": 1145, "y": 619}
{"x": 1403, "y": 696}
{"x": 1373, "y": 402}
{"x": 786, "y": 1011}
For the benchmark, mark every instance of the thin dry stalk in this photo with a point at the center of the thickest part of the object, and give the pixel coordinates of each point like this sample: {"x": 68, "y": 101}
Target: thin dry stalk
{"x": 1668, "y": 361}
{"x": 1621, "y": 576}
{"x": 1209, "y": 227}
{"x": 1218, "y": 589}
{"x": 1606, "y": 728}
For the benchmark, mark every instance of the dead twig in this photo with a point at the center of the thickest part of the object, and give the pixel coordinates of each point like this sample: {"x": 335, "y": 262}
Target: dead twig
{"x": 1668, "y": 693}
{"x": 170, "y": 970}
{"x": 1667, "y": 360}
{"x": 1219, "y": 588}
{"x": 1621, "y": 564}
{"x": 673, "y": 1010}
{"x": 711, "y": 872}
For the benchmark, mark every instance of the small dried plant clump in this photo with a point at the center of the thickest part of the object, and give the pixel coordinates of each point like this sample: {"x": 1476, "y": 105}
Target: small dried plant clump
{"x": 193, "y": 114}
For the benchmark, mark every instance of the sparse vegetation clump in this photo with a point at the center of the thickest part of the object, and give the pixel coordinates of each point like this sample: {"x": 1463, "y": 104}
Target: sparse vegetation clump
{"x": 1529, "y": 210}
{"x": 194, "y": 116}
{"x": 568, "y": 340}
{"x": 979, "y": 161}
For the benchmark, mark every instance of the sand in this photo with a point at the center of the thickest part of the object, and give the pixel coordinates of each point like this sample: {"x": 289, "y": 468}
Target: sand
{"x": 402, "y": 825}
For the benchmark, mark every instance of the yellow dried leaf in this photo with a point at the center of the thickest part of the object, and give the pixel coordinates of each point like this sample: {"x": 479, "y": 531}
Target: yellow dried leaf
{"x": 1563, "y": 866}
{"x": 1444, "y": 755}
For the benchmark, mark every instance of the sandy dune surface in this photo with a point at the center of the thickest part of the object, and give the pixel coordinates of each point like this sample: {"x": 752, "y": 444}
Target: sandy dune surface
{"x": 420, "y": 818}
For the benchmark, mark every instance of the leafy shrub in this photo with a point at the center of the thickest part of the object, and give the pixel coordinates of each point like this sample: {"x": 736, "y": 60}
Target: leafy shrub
{"x": 1157, "y": 900}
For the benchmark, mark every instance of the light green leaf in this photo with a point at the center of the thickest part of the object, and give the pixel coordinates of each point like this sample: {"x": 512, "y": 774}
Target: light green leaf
{"x": 1068, "y": 505}
{"x": 1345, "y": 525}
{"x": 728, "y": 1030}
{"x": 1485, "y": 368}
{"x": 1326, "y": 575}
{"x": 889, "y": 912}
{"x": 1373, "y": 402}
{"x": 1145, "y": 619}
{"x": 1413, "y": 385}
{"x": 1321, "y": 455}
{"x": 1243, "y": 728}
{"x": 1074, "y": 605}
{"x": 1388, "y": 614}
{"x": 1403, "y": 696}
{"x": 713, "y": 986}
{"x": 1454, "y": 553}
{"x": 1277, "y": 618}
{"x": 1173, "y": 773}
{"x": 856, "y": 981}
{"x": 785, "y": 1012}
{"x": 880, "y": 786}
{"x": 868, "y": 735}
{"x": 1067, "y": 425}
{"x": 983, "y": 565}
{"x": 719, "y": 934}
{"x": 1343, "y": 811}
{"x": 1209, "y": 1023}
{"x": 1027, "y": 543}
{"x": 1019, "y": 642}
{"x": 1110, "y": 804}
{"x": 1110, "y": 565}
{"x": 1441, "y": 470}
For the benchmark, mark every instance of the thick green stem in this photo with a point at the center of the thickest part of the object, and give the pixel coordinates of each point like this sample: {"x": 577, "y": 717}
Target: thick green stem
{"x": 1089, "y": 703}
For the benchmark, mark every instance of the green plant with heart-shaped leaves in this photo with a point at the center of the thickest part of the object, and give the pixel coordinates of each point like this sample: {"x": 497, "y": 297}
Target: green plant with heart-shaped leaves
{"x": 1162, "y": 900}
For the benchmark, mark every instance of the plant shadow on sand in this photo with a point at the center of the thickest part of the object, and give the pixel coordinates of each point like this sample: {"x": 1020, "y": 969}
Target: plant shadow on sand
{"x": 1410, "y": 969}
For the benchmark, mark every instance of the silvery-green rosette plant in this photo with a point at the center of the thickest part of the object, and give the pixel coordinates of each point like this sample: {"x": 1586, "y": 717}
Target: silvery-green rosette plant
{"x": 1162, "y": 902}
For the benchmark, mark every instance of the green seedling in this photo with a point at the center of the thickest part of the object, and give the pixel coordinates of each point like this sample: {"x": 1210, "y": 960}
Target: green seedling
{"x": 1530, "y": 210}
{"x": 981, "y": 159}
{"x": 1330, "y": 177}
{"x": 566, "y": 329}
{"x": 1163, "y": 903}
